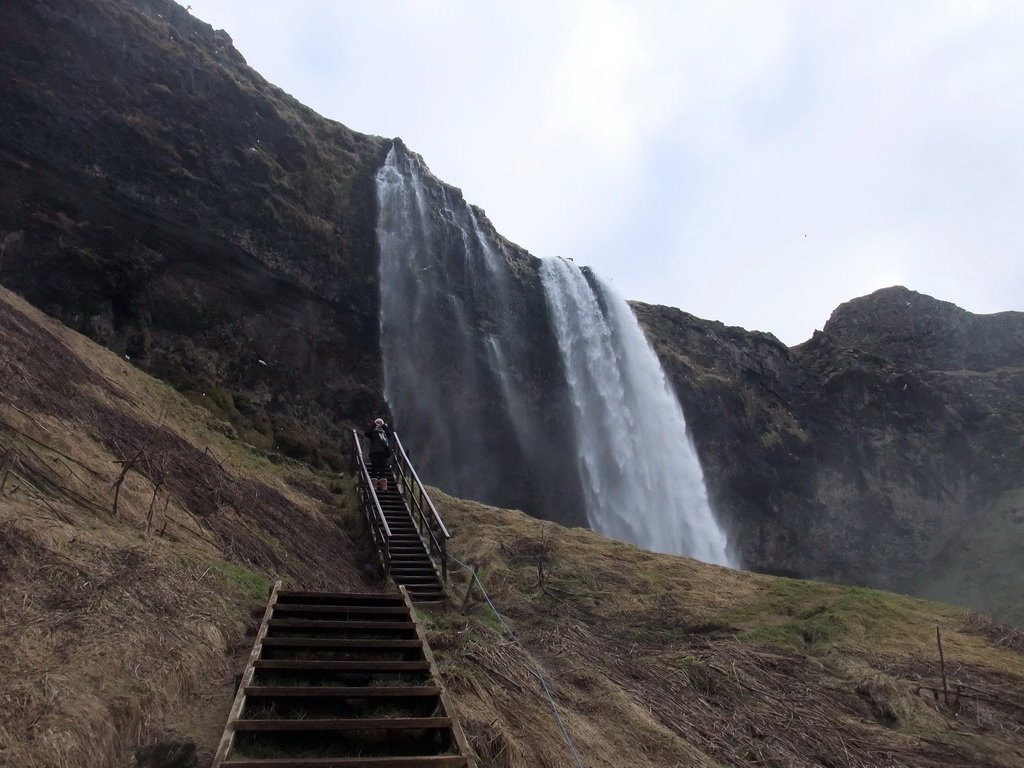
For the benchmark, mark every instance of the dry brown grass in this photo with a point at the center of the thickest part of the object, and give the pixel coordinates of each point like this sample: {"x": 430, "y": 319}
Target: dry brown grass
{"x": 120, "y": 625}
{"x": 664, "y": 661}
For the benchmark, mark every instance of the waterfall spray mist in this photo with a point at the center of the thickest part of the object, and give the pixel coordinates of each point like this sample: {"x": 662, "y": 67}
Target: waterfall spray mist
{"x": 460, "y": 362}
{"x": 523, "y": 383}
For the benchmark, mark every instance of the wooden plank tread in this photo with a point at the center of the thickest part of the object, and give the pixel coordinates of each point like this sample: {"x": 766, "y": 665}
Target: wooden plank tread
{"x": 342, "y": 692}
{"x": 347, "y": 724}
{"x": 427, "y": 761}
{"x": 386, "y": 597}
{"x": 314, "y": 624}
{"x": 343, "y": 643}
{"x": 342, "y": 666}
{"x": 367, "y": 609}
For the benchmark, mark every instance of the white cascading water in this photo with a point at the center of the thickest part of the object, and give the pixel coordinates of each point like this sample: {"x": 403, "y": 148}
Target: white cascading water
{"x": 459, "y": 340}
{"x": 451, "y": 344}
{"x": 642, "y": 478}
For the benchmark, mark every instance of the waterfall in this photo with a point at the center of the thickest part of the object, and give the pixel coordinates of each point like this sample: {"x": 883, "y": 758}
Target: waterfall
{"x": 522, "y": 383}
{"x": 641, "y": 476}
{"x": 464, "y": 344}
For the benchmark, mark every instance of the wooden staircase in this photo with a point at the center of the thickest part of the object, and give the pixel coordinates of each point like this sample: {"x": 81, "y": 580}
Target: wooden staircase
{"x": 338, "y": 679}
{"x": 411, "y": 565}
{"x": 408, "y": 533}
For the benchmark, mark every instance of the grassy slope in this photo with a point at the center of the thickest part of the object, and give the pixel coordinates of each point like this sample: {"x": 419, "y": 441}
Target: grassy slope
{"x": 116, "y": 629}
{"x": 121, "y": 629}
{"x": 674, "y": 662}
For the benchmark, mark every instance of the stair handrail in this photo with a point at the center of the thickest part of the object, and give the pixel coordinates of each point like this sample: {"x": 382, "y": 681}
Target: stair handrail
{"x": 430, "y": 504}
{"x": 416, "y": 496}
{"x": 371, "y": 504}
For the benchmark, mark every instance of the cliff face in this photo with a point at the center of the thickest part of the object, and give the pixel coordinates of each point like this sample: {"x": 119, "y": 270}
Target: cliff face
{"x": 872, "y": 453}
{"x": 160, "y": 196}
{"x": 915, "y": 329}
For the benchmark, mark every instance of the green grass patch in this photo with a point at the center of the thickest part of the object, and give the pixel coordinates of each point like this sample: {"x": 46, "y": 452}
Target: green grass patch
{"x": 811, "y": 615}
{"x": 251, "y": 584}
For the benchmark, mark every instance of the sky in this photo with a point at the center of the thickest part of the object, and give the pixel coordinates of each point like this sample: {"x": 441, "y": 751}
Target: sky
{"x": 756, "y": 162}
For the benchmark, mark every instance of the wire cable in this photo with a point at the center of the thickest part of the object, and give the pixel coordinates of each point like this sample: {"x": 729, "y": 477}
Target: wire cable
{"x": 536, "y": 666}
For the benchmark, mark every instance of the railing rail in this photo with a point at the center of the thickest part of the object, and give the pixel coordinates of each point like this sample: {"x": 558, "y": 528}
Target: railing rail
{"x": 374, "y": 514}
{"x": 428, "y": 522}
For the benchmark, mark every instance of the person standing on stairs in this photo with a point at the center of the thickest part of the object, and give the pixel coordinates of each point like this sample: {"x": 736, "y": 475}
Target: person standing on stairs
{"x": 381, "y": 438}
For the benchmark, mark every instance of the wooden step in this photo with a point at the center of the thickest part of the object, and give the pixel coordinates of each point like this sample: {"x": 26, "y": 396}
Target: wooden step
{"x": 341, "y": 692}
{"x": 385, "y": 611}
{"x": 375, "y": 626}
{"x": 303, "y": 665}
{"x": 341, "y": 644}
{"x": 339, "y": 598}
{"x": 431, "y": 761}
{"x": 346, "y": 724}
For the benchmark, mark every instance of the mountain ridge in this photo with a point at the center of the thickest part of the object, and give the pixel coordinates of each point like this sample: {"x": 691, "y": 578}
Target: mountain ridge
{"x": 914, "y": 328}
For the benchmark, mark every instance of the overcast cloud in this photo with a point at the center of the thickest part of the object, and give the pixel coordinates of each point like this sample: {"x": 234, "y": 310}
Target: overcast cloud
{"x": 754, "y": 163}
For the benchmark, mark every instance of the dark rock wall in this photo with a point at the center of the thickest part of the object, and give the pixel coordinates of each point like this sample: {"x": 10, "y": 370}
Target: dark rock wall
{"x": 158, "y": 195}
{"x": 909, "y": 327}
{"x": 861, "y": 456}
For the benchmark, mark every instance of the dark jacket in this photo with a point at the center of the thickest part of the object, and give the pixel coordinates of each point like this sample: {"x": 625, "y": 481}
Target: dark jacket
{"x": 381, "y": 439}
